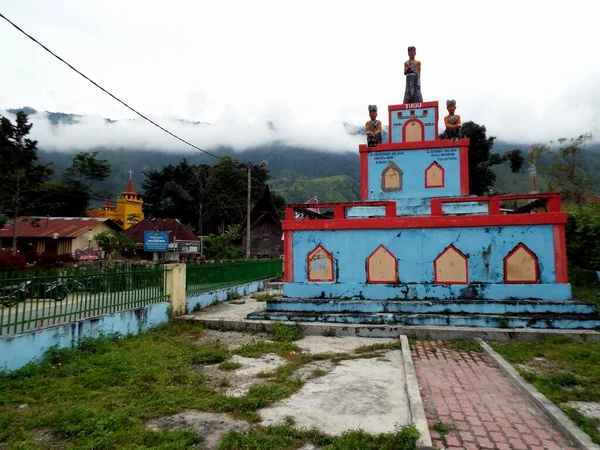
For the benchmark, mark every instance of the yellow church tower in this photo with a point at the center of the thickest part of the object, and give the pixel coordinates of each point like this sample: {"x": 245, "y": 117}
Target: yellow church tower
{"x": 128, "y": 211}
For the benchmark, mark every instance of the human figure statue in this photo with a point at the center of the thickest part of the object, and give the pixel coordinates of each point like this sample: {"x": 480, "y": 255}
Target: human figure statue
{"x": 373, "y": 128}
{"x": 412, "y": 70}
{"x": 452, "y": 122}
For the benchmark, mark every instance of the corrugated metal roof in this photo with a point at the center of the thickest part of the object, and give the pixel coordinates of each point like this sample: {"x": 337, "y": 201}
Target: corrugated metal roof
{"x": 47, "y": 227}
{"x": 177, "y": 230}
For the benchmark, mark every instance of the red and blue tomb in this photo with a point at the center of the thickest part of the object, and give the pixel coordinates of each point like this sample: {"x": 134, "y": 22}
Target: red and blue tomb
{"x": 417, "y": 249}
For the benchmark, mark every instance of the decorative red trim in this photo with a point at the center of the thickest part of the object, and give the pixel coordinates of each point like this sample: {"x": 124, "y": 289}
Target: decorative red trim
{"x": 537, "y": 269}
{"x": 364, "y": 176}
{"x": 427, "y": 185}
{"x": 560, "y": 254}
{"x": 464, "y": 170}
{"x": 378, "y": 223}
{"x": 423, "y": 145}
{"x": 437, "y": 121}
{"x": 494, "y": 202}
{"x": 389, "y": 126}
{"x": 395, "y": 267}
{"x": 435, "y": 280}
{"x": 308, "y": 264}
{"x": 404, "y": 130}
{"x": 413, "y": 106}
{"x": 288, "y": 256}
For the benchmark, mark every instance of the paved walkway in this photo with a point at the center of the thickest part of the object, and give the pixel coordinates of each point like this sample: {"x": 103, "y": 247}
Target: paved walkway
{"x": 474, "y": 399}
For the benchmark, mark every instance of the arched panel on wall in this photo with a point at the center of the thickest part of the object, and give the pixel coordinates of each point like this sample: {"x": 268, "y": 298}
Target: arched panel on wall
{"x": 320, "y": 265}
{"x": 451, "y": 267}
{"x": 392, "y": 178}
{"x": 521, "y": 266}
{"x": 435, "y": 176}
{"x": 413, "y": 130}
{"x": 382, "y": 267}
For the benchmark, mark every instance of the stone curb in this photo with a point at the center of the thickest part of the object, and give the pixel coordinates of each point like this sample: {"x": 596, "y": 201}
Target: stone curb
{"x": 391, "y": 331}
{"x": 417, "y": 411}
{"x": 570, "y": 430}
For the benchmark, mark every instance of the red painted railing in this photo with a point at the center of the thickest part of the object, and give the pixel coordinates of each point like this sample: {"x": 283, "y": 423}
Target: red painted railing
{"x": 339, "y": 209}
{"x": 494, "y": 202}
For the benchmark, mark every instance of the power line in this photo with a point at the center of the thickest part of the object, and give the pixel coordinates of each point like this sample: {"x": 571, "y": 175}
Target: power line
{"x": 100, "y": 87}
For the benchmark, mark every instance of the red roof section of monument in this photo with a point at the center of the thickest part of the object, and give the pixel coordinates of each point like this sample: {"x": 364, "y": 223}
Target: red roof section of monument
{"x": 420, "y": 145}
{"x": 178, "y": 231}
{"x": 129, "y": 189}
{"x": 46, "y": 227}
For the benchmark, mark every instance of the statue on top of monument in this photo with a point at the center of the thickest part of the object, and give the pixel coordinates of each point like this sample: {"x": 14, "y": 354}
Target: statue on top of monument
{"x": 452, "y": 122}
{"x": 412, "y": 70}
{"x": 373, "y": 128}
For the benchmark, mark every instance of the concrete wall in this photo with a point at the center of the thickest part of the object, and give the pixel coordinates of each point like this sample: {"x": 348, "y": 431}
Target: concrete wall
{"x": 413, "y": 164}
{"x": 19, "y": 350}
{"x": 416, "y": 250}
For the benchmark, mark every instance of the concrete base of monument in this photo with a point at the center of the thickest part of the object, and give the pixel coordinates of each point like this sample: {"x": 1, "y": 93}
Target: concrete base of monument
{"x": 537, "y": 314}
{"x": 484, "y": 291}
{"x": 536, "y": 321}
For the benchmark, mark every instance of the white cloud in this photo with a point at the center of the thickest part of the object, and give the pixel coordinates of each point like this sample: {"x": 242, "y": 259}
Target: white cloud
{"x": 526, "y": 70}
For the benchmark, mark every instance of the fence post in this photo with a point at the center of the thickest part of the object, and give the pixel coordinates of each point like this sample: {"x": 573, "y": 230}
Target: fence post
{"x": 176, "y": 288}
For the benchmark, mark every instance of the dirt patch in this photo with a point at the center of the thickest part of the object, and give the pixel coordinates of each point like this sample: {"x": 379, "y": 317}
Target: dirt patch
{"x": 210, "y": 427}
{"x": 542, "y": 366}
{"x": 236, "y": 383}
{"x": 231, "y": 339}
{"x": 44, "y": 438}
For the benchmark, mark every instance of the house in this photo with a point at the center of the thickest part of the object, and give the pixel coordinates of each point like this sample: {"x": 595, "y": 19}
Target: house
{"x": 265, "y": 229}
{"x": 55, "y": 235}
{"x": 128, "y": 209}
{"x": 181, "y": 238}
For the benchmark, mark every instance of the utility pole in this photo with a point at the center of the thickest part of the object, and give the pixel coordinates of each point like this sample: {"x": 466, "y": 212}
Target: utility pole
{"x": 248, "y": 213}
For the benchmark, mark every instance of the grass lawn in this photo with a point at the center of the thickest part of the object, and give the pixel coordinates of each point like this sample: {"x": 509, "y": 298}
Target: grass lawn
{"x": 562, "y": 370}
{"x": 101, "y": 395}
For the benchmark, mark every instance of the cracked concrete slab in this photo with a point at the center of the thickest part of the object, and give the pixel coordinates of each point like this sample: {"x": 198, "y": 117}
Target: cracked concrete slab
{"x": 361, "y": 393}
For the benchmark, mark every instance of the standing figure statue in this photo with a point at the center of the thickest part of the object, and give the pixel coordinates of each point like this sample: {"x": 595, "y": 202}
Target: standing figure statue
{"x": 452, "y": 122}
{"x": 412, "y": 70}
{"x": 373, "y": 128}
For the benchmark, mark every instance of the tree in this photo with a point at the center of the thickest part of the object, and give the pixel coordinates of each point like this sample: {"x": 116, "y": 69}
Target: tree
{"x": 481, "y": 158}
{"x": 21, "y": 175}
{"x": 87, "y": 168}
{"x": 112, "y": 241}
{"x": 565, "y": 170}
{"x": 199, "y": 184}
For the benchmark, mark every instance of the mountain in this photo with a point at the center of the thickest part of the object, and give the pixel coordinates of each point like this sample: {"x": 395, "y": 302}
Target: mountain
{"x": 296, "y": 173}
{"x": 338, "y": 188}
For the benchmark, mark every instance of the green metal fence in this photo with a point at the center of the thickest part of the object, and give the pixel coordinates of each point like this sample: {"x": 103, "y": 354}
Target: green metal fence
{"x": 34, "y": 300}
{"x": 202, "y": 278}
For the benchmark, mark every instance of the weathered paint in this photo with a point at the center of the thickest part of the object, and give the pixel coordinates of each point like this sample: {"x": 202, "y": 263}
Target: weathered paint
{"x": 401, "y": 116}
{"x": 21, "y": 349}
{"x": 413, "y": 164}
{"x": 349, "y": 290}
{"x": 432, "y": 307}
{"x": 416, "y": 250}
{"x": 197, "y": 302}
{"x": 440, "y": 320}
{"x": 18, "y": 350}
{"x": 416, "y": 206}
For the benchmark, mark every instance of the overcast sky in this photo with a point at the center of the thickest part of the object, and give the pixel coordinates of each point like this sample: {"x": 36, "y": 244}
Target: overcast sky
{"x": 527, "y": 70}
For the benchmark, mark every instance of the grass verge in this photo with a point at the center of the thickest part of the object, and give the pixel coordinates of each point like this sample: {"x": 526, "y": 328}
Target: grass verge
{"x": 562, "y": 370}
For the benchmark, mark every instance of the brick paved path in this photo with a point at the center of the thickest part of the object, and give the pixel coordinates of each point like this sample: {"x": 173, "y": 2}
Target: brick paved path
{"x": 468, "y": 393}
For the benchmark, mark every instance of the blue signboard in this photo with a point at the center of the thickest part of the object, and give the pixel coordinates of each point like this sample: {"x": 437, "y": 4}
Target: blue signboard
{"x": 156, "y": 241}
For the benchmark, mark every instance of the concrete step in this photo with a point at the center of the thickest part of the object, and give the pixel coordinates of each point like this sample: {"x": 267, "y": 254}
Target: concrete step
{"x": 497, "y": 307}
{"x": 536, "y": 321}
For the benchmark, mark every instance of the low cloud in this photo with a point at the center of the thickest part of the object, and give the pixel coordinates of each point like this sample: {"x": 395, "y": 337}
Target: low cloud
{"x": 567, "y": 113}
{"x": 232, "y": 129}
